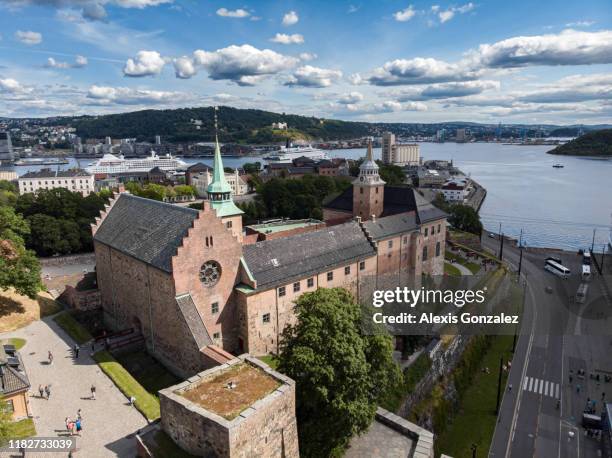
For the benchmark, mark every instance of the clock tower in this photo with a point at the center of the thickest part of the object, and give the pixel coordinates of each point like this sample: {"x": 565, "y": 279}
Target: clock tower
{"x": 368, "y": 189}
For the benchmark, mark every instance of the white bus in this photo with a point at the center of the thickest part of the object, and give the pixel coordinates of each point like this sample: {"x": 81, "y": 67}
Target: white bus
{"x": 557, "y": 269}
{"x": 586, "y": 272}
{"x": 586, "y": 258}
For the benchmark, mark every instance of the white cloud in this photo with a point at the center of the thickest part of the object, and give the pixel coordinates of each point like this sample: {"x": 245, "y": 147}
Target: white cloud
{"x": 28, "y": 37}
{"x": 285, "y": 39}
{"x": 405, "y": 14}
{"x": 356, "y": 79}
{"x": 309, "y": 76}
{"x": 140, "y": 4}
{"x": 129, "y": 96}
{"x": 350, "y": 98}
{"x": 580, "y": 24}
{"x": 570, "y": 47}
{"x": 184, "y": 67}
{"x": 290, "y": 18}
{"x": 575, "y": 88}
{"x": 11, "y": 86}
{"x": 94, "y": 12}
{"x": 419, "y": 70}
{"x": 448, "y": 14}
{"x": 244, "y": 65}
{"x": 307, "y": 56}
{"x": 449, "y": 90}
{"x": 79, "y": 62}
{"x": 435, "y": 8}
{"x": 388, "y": 106}
{"x": 238, "y": 13}
{"x": 146, "y": 63}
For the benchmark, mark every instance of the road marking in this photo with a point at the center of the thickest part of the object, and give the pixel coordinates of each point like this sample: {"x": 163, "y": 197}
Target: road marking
{"x": 539, "y": 386}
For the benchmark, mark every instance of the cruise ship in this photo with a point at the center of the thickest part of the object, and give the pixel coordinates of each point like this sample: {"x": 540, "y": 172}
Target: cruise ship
{"x": 112, "y": 164}
{"x": 289, "y": 153}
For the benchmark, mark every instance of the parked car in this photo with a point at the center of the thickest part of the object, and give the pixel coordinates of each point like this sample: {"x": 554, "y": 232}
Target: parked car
{"x": 555, "y": 259}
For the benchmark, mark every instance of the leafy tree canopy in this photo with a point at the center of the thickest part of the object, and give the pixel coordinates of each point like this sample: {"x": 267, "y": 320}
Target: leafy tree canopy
{"x": 340, "y": 375}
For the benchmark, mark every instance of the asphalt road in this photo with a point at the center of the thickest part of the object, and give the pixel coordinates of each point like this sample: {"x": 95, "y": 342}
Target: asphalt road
{"x": 557, "y": 335}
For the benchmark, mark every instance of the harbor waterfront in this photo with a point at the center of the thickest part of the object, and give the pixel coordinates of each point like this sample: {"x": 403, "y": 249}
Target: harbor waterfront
{"x": 555, "y": 207}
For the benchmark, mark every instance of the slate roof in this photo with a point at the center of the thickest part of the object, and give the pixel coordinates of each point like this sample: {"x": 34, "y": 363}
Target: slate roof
{"x": 198, "y": 167}
{"x": 146, "y": 229}
{"x": 50, "y": 173}
{"x": 280, "y": 261}
{"x": 12, "y": 379}
{"x": 194, "y": 320}
{"x": 391, "y": 225}
{"x": 397, "y": 199}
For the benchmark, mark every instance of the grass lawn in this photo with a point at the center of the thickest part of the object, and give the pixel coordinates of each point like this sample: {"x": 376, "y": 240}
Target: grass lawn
{"x": 450, "y": 269}
{"x": 73, "y": 328}
{"x": 21, "y": 429}
{"x": 146, "y": 403}
{"x": 472, "y": 266}
{"x": 270, "y": 360}
{"x": 17, "y": 311}
{"x": 475, "y": 421}
{"x": 18, "y": 342}
{"x": 147, "y": 371}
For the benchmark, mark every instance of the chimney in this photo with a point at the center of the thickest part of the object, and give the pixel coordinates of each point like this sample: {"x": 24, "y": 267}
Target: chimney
{"x": 373, "y": 218}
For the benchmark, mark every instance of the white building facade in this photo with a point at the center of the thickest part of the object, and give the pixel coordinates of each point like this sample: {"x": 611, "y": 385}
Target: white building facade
{"x": 75, "y": 180}
{"x": 401, "y": 154}
{"x": 202, "y": 179}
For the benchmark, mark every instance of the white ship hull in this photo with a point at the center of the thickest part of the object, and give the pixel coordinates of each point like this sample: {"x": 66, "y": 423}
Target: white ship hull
{"x": 289, "y": 154}
{"x": 110, "y": 164}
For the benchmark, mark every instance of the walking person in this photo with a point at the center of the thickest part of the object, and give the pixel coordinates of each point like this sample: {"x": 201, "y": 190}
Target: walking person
{"x": 67, "y": 421}
{"x": 79, "y": 416}
{"x": 48, "y": 391}
{"x": 41, "y": 390}
{"x": 76, "y": 351}
{"x": 78, "y": 427}
{"x": 93, "y": 392}
{"x": 50, "y": 357}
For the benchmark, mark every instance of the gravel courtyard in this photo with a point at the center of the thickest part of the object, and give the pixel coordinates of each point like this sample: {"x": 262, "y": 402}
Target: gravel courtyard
{"x": 106, "y": 421}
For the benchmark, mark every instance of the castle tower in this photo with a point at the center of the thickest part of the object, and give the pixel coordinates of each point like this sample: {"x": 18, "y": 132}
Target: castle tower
{"x": 220, "y": 194}
{"x": 368, "y": 189}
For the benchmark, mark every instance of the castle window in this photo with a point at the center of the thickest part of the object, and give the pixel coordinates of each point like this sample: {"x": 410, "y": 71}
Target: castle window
{"x": 207, "y": 242}
{"x": 376, "y": 189}
{"x": 405, "y": 240}
{"x": 217, "y": 335}
{"x": 265, "y": 318}
{"x": 310, "y": 282}
{"x": 347, "y": 270}
{"x": 390, "y": 244}
{"x": 438, "y": 249}
{"x": 214, "y": 308}
{"x": 281, "y": 291}
{"x": 426, "y": 231}
{"x": 228, "y": 224}
{"x": 439, "y": 228}
{"x": 362, "y": 265}
{"x": 296, "y": 287}
{"x": 360, "y": 190}
{"x": 330, "y": 276}
{"x": 424, "y": 253}
{"x": 211, "y": 241}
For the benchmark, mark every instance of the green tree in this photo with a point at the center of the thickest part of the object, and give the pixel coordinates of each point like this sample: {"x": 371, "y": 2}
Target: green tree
{"x": 153, "y": 191}
{"x": 252, "y": 167}
{"x": 391, "y": 174}
{"x": 185, "y": 190}
{"x": 465, "y": 218}
{"x": 19, "y": 268}
{"x": 46, "y": 235}
{"x": 340, "y": 375}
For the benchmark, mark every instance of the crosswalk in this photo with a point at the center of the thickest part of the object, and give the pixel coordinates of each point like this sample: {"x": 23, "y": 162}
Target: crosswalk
{"x": 543, "y": 387}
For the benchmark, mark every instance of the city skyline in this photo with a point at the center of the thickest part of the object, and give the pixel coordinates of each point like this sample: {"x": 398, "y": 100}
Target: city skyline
{"x": 384, "y": 61}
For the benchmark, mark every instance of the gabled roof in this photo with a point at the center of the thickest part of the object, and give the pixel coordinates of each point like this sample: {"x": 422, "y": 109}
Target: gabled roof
{"x": 194, "y": 320}
{"x": 199, "y": 167}
{"x": 11, "y": 380}
{"x": 397, "y": 199}
{"x": 146, "y": 229}
{"x": 283, "y": 260}
{"x": 382, "y": 228}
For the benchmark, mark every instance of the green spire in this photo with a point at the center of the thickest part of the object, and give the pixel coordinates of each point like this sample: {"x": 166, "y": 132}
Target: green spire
{"x": 219, "y": 190}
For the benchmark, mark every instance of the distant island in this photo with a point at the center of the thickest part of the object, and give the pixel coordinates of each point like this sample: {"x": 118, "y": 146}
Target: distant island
{"x": 596, "y": 143}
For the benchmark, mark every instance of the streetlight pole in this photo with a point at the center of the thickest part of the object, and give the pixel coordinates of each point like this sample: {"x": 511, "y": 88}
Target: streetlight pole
{"x": 499, "y": 381}
{"x": 520, "y": 254}
{"x": 593, "y": 243}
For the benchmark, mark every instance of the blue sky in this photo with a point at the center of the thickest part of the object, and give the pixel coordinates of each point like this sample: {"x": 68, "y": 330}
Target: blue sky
{"x": 488, "y": 61}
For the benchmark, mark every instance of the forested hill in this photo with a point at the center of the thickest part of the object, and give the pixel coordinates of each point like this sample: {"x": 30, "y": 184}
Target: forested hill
{"x": 597, "y": 143}
{"x": 236, "y": 125}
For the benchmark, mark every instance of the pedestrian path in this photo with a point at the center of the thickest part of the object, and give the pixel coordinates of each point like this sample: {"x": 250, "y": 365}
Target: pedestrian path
{"x": 543, "y": 387}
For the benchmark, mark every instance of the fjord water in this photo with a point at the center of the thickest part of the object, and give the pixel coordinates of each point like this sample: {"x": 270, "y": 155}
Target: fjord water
{"x": 554, "y": 207}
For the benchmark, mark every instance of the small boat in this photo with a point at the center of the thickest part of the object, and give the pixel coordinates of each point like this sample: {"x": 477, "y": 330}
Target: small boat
{"x": 558, "y": 166}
